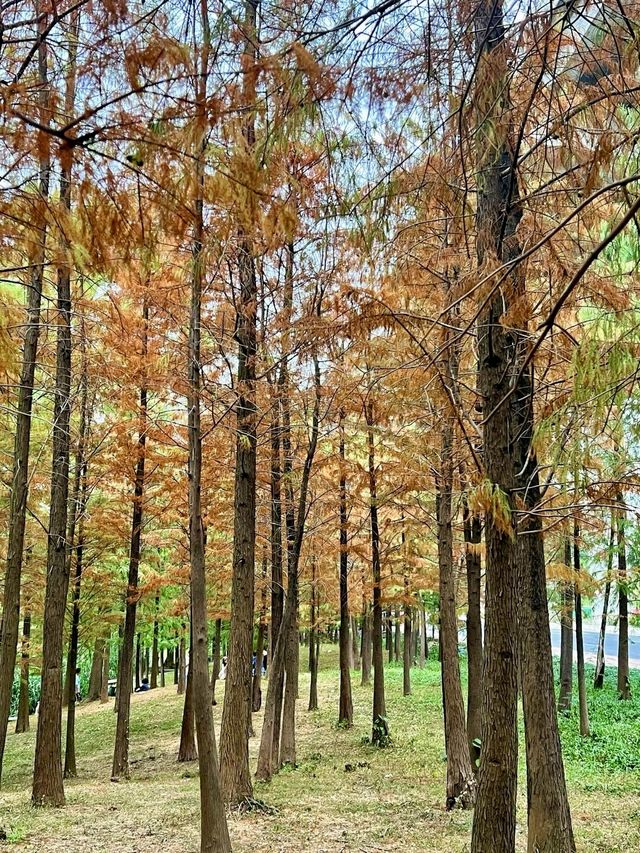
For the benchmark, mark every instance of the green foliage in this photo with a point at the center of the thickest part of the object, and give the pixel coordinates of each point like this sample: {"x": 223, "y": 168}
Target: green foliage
{"x": 34, "y": 693}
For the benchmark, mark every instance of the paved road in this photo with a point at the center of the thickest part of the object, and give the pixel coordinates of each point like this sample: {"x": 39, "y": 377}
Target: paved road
{"x": 610, "y": 646}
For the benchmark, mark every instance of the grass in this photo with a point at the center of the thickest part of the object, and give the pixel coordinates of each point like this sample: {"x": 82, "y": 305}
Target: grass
{"x": 344, "y": 795}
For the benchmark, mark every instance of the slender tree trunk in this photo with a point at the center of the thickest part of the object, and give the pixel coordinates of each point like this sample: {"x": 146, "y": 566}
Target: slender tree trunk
{"x": 10, "y": 622}
{"x": 216, "y": 660}
{"x": 138, "y": 662}
{"x": 598, "y": 681}
{"x": 388, "y": 623}
{"x": 423, "y": 651}
{"x": 154, "y": 648}
{"x": 95, "y": 676}
{"x": 181, "y": 664}
{"x": 214, "y": 834}
{"x": 582, "y": 687}
{"x": 22, "y": 722}
{"x": 345, "y": 701}
{"x": 120, "y": 765}
{"x": 236, "y": 715}
{"x": 367, "y": 645}
{"x": 355, "y": 649}
{"x": 408, "y": 635}
{"x": 256, "y": 690}
{"x": 460, "y": 782}
{"x": 473, "y": 538}
{"x": 313, "y": 635}
{"x": 566, "y": 636}
{"x": 624, "y": 689}
{"x": 48, "y": 788}
{"x": 379, "y": 726}
{"x": 104, "y": 687}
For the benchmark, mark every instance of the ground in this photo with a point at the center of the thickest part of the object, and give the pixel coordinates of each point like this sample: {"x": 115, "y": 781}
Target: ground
{"x": 344, "y": 795}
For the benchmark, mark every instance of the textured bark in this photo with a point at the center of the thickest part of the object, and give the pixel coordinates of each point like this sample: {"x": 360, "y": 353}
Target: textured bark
{"x": 473, "y": 538}
{"x": 10, "y": 622}
{"x": 187, "y": 750}
{"x": 313, "y": 640}
{"x": 582, "y": 687}
{"x": 494, "y": 822}
{"x": 379, "y": 709}
{"x": 598, "y": 680}
{"x": 624, "y": 689}
{"x": 138, "y": 678}
{"x": 22, "y": 721}
{"x": 345, "y": 701}
{"x": 120, "y": 766}
{"x": 214, "y": 834}
{"x": 460, "y": 790}
{"x": 236, "y": 715}
{"x": 566, "y": 636}
{"x": 48, "y": 788}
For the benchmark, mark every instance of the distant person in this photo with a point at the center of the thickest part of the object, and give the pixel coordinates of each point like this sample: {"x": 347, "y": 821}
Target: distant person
{"x": 78, "y": 696}
{"x": 143, "y": 686}
{"x": 223, "y": 669}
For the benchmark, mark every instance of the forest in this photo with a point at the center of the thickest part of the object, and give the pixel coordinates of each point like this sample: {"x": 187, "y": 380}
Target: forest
{"x": 320, "y": 426}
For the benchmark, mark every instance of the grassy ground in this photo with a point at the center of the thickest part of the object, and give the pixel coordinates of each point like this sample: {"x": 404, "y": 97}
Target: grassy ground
{"x": 387, "y": 800}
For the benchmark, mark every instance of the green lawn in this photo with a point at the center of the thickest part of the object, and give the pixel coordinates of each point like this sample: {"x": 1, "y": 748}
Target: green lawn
{"x": 392, "y": 799}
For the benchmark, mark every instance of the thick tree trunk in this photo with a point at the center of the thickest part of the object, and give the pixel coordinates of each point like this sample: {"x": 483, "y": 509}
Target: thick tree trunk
{"x": 624, "y": 689}
{"x": 154, "y": 648}
{"x": 48, "y": 788}
{"x": 473, "y": 538}
{"x": 214, "y": 834}
{"x": 120, "y": 765}
{"x": 598, "y": 681}
{"x": 379, "y": 729}
{"x": 10, "y": 622}
{"x": 566, "y": 635}
{"x": 22, "y": 722}
{"x": 236, "y": 715}
{"x": 582, "y": 687}
{"x": 187, "y": 750}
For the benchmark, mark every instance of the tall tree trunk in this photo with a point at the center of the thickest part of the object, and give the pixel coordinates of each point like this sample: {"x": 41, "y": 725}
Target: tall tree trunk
{"x": 423, "y": 651}
{"x": 598, "y": 681}
{"x": 396, "y": 635}
{"x": 187, "y": 750}
{"x": 256, "y": 689}
{"x": 582, "y": 687}
{"x": 345, "y": 701}
{"x": 494, "y": 818}
{"x": 388, "y": 623}
{"x": 379, "y": 729}
{"x": 408, "y": 634}
{"x": 473, "y": 538}
{"x": 138, "y": 679}
{"x": 22, "y": 722}
{"x": 355, "y": 649}
{"x": 154, "y": 648}
{"x": 566, "y": 635}
{"x": 624, "y": 689}
{"x": 214, "y": 834}
{"x": 48, "y": 788}
{"x": 120, "y": 765}
{"x": 10, "y": 622}
{"x": 313, "y": 635}
{"x": 460, "y": 782}
{"x": 236, "y": 715}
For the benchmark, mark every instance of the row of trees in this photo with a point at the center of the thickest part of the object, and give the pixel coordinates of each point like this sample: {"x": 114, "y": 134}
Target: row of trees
{"x": 303, "y": 304}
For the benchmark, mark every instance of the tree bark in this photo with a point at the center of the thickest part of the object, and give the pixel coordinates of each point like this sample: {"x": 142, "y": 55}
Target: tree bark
{"x": 48, "y": 788}
{"x": 104, "y": 687}
{"x": 582, "y": 688}
{"x": 216, "y": 660}
{"x": 566, "y": 636}
{"x": 10, "y": 622}
{"x": 598, "y": 681}
{"x": 313, "y": 637}
{"x": 181, "y": 664}
{"x": 624, "y": 688}
{"x": 154, "y": 648}
{"x": 345, "y": 701}
{"x": 473, "y": 538}
{"x": 366, "y": 644}
{"x": 407, "y": 652}
{"x": 120, "y": 765}
{"x": 187, "y": 750}
{"x": 95, "y": 676}
{"x": 256, "y": 689}
{"x": 22, "y": 722}
{"x": 379, "y": 726}
{"x": 236, "y": 715}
